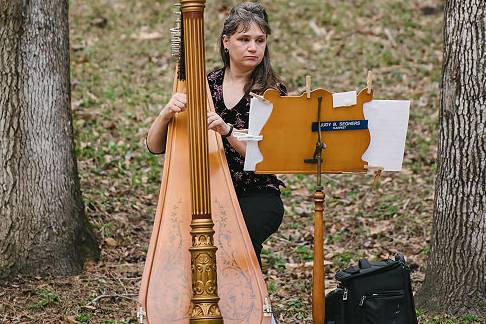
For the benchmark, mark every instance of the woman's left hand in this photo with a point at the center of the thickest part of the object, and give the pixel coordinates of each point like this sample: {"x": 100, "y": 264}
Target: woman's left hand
{"x": 217, "y": 124}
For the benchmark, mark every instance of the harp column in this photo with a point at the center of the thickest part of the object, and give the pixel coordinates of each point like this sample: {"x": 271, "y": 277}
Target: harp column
{"x": 204, "y": 302}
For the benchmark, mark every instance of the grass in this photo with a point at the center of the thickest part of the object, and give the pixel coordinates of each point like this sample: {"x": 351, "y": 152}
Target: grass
{"x": 342, "y": 259}
{"x": 273, "y": 260}
{"x": 45, "y": 298}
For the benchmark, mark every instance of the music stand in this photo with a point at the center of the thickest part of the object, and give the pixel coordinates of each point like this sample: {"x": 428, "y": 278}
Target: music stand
{"x": 324, "y": 139}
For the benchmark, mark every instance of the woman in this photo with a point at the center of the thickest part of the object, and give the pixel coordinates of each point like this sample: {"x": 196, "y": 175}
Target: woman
{"x": 245, "y": 55}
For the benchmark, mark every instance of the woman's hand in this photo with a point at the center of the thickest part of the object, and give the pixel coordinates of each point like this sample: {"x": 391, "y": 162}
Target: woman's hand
{"x": 217, "y": 124}
{"x": 157, "y": 135}
{"x": 175, "y": 105}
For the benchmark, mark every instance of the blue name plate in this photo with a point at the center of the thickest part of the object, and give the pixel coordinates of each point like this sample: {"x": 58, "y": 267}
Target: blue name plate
{"x": 338, "y": 125}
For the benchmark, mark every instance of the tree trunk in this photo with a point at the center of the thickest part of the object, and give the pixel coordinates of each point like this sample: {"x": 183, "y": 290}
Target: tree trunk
{"x": 43, "y": 229}
{"x": 455, "y": 281}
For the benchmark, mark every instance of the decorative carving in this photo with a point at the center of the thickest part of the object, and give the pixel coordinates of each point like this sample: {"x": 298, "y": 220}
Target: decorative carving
{"x": 202, "y": 240}
{"x": 203, "y": 265}
{"x": 205, "y": 310}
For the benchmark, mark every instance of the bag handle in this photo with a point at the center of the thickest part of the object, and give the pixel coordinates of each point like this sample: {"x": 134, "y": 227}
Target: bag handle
{"x": 400, "y": 258}
{"x": 364, "y": 264}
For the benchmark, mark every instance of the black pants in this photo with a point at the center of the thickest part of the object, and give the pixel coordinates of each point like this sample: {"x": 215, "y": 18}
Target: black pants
{"x": 263, "y": 213}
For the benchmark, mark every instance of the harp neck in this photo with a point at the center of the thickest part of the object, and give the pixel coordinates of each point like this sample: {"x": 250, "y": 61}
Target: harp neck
{"x": 194, "y": 62}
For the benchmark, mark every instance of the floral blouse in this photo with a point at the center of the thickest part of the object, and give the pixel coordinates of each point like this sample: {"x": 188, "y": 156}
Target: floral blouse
{"x": 238, "y": 116}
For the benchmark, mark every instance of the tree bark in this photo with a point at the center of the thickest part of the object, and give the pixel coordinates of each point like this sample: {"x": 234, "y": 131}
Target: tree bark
{"x": 455, "y": 281}
{"x": 43, "y": 228}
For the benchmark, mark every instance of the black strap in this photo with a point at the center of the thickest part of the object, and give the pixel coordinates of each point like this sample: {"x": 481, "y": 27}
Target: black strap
{"x": 229, "y": 132}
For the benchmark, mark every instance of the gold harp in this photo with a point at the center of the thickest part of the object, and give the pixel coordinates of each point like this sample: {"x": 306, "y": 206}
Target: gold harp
{"x": 181, "y": 282}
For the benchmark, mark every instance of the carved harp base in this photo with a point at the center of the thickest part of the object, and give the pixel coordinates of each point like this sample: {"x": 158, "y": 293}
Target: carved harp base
{"x": 205, "y": 298}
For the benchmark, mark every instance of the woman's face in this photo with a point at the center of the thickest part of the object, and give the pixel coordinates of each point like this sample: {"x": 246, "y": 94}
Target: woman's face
{"x": 246, "y": 48}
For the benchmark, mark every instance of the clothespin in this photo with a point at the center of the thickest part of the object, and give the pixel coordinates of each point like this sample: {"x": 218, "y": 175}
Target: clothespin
{"x": 377, "y": 172}
{"x": 377, "y": 176}
{"x": 261, "y": 98}
{"x": 369, "y": 82}
{"x": 308, "y": 86}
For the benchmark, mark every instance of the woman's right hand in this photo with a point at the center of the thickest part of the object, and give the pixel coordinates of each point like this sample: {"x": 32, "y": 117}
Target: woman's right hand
{"x": 157, "y": 134}
{"x": 176, "y": 104}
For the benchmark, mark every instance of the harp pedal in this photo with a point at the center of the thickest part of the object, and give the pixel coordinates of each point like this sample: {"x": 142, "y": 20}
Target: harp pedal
{"x": 141, "y": 315}
{"x": 267, "y": 308}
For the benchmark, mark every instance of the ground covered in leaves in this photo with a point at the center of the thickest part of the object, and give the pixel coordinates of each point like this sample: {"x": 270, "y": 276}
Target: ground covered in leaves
{"x": 122, "y": 75}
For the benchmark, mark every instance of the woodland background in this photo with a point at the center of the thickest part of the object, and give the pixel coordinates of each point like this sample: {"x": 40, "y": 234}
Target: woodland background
{"x": 121, "y": 75}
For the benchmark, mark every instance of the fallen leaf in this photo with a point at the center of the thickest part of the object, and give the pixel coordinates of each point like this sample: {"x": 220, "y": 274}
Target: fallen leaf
{"x": 111, "y": 242}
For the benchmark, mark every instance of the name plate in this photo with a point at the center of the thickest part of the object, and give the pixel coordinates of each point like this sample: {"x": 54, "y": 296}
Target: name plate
{"x": 341, "y": 125}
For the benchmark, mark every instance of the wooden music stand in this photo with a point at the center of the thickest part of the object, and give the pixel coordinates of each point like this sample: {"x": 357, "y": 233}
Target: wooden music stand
{"x": 335, "y": 147}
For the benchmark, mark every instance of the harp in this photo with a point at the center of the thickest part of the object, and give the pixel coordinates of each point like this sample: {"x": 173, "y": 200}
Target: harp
{"x": 200, "y": 265}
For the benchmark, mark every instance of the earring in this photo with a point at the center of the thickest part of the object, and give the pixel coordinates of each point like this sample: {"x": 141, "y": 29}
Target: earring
{"x": 226, "y": 50}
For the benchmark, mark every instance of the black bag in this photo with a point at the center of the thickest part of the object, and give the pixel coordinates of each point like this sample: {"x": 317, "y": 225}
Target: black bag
{"x": 372, "y": 293}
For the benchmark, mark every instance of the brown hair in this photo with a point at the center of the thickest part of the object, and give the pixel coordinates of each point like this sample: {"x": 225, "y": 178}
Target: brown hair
{"x": 241, "y": 17}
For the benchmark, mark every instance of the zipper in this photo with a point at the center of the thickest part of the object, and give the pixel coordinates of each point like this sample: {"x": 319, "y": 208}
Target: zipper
{"x": 391, "y": 293}
{"x": 361, "y": 302}
{"x": 345, "y": 294}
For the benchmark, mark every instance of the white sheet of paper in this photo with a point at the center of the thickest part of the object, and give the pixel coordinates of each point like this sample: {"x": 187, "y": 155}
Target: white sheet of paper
{"x": 388, "y": 123}
{"x": 344, "y": 99}
{"x": 259, "y": 114}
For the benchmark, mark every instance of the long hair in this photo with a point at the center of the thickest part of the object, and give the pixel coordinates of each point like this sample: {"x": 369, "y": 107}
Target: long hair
{"x": 240, "y": 18}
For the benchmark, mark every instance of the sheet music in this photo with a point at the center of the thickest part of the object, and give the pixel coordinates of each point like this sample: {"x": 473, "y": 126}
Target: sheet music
{"x": 259, "y": 114}
{"x": 344, "y": 99}
{"x": 388, "y": 123}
